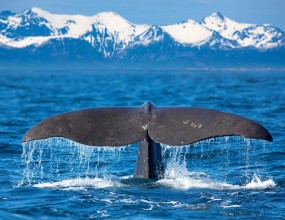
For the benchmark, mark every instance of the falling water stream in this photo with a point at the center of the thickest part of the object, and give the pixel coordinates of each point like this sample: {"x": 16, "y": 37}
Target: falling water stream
{"x": 205, "y": 165}
{"x": 47, "y": 162}
{"x": 61, "y": 163}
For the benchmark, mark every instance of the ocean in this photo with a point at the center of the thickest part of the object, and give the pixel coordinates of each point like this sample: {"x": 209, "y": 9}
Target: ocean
{"x": 220, "y": 178}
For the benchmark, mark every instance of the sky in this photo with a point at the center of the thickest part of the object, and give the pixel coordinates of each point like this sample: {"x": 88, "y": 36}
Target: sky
{"x": 161, "y": 12}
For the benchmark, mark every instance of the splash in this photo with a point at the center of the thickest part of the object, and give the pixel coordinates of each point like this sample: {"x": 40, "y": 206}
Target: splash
{"x": 58, "y": 159}
{"x": 257, "y": 183}
{"x": 204, "y": 181}
{"x": 218, "y": 163}
{"x": 211, "y": 161}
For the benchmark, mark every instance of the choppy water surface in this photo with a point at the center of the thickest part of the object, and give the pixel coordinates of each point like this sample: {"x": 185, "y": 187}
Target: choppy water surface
{"x": 221, "y": 178}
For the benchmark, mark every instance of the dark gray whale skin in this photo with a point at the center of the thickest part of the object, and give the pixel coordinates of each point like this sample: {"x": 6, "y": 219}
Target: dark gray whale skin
{"x": 149, "y": 125}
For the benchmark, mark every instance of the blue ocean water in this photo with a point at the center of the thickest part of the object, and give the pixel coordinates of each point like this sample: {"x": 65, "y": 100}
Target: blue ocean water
{"x": 222, "y": 178}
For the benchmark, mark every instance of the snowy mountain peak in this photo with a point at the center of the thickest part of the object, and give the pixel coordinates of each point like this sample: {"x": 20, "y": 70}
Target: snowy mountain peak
{"x": 113, "y": 22}
{"x": 38, "y": 11}
{"x": 218, "y": 22}
{"x": 217, "y": 15}
{"x": 188, "y": 32}
{"x": 34, "y": 12}
{"x": 152, "y": 35}
{"x": 113, "y": 25}
{"x": 189, "y": 21}
{"x": 109, "y": 14}
{"x": 245, "y": 35}
{"x": 111, "y": 17}
{"x": 223, "y": 25}
{"x": 154, "y": 32}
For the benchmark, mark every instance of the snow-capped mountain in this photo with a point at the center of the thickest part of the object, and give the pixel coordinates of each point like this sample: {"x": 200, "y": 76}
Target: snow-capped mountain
{"x": 38, "y": 33}
{"x": 246, "y": 35}
{"x": 35, "y": 26}
{"x": 188, "y": 32}
{"x": 155, "y": 44}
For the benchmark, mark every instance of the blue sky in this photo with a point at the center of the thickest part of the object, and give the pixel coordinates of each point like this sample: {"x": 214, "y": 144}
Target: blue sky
{"x": 163, "y": 11}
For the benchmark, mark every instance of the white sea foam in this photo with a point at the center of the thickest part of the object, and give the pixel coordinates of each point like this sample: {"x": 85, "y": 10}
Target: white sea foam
{"x": 257, "y": 183}
{"x": 230, "y": 206}
{"x": 189, "y": 182}
{"x": 150, "y": 208}
{"x": 80, "y": 183}
{"x": 177, "y": 176}
{"x": 180, "y": 181}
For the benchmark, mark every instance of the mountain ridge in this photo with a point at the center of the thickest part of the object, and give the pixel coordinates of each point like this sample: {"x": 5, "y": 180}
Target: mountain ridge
{"x": 108, "y": 36}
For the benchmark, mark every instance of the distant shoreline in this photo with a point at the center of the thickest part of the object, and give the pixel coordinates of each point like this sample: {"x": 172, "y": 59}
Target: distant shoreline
{"x": 141, "y": 69}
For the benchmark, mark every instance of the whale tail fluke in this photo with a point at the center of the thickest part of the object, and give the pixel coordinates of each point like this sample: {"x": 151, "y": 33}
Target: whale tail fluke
{"x": 117, "y": 126}
{"x": 147, "y": 124}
